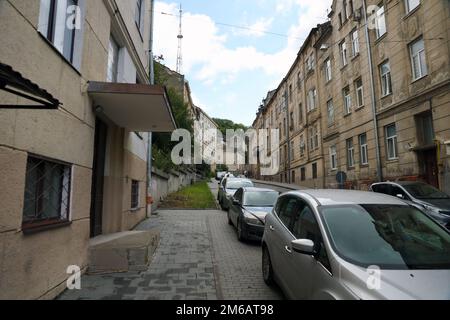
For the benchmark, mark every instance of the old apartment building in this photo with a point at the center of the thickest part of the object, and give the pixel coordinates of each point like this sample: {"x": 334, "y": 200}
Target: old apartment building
{"x": 77, "y": 167}
{"x": 368, "y": 98}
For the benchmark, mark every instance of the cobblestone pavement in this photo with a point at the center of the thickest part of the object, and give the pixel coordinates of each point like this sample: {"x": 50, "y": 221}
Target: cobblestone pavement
{"x": 199, "y": 258}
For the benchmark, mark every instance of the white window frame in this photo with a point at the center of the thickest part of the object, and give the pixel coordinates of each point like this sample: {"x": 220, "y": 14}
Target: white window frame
{"x": 312, "y": 93}
{"x": 355, "y": 42}
{"x": 347, "y": 100}
{"x": 350, "y": 153}
{"x": 113, "y": 60}
{"x": 393, "y": 140}
{"x": 343, "y": 53}
{"x": 380, "y": 22}
{"x": 333, "y": 158}
{"x": 386, "y": 79}
{"x": 410, "y": 7}
{"x": 418, "y": 57}
{"x": 302, "y": 145}
{"x": 359, "y": 89}
{"x": 363, "y": 150}
{"x": 328, "y": 70}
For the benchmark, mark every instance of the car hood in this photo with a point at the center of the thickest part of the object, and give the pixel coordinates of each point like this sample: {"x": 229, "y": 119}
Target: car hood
{"x": 443, "y": 204}
{"x": 260, "y": 212}
{"x": 398, "y": 284}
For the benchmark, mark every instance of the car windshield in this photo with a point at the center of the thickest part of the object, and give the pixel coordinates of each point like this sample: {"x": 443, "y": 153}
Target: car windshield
{"x": 388, "y": 236}
{"x": 260, "y": 199}
{"x": 234, "y": 185}
{"x": 425, "y": 191}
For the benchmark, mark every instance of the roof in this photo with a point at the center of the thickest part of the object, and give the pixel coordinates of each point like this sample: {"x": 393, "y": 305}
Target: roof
{"x": 13, "y": 82}
{"x": 335, "y": 197}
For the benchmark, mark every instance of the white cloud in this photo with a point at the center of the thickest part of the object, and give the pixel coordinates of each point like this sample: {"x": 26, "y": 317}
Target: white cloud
{"x": 206, "y": 55}
{"x": 256, "y": 29}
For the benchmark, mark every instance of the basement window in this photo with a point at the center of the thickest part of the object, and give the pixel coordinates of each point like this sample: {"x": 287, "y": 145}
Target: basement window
{"x": 134, "y": 195}
{"x": 47, "y": 194}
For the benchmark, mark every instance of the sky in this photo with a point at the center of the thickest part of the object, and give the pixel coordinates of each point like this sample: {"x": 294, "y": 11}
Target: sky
{"x": 231, "y": 69}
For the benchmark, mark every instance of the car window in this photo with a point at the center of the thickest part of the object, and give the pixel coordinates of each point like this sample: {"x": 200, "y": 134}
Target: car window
{"x": 382, "y": 188}
{"x": 238, "y": 195}
{"x": 305, "y": 226}
{"x": 395, "y": 191}
{"x": 287, "y": 211}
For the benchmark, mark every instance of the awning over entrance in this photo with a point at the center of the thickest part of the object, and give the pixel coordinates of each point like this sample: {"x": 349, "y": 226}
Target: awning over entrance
{"x": 137, "y": 107}
{"x": 13, "y": 82}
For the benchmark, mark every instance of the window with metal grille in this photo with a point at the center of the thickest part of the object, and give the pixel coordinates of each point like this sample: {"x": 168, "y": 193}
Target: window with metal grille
{"x": 134, "y": 195}
{"x": 47, "y": 193}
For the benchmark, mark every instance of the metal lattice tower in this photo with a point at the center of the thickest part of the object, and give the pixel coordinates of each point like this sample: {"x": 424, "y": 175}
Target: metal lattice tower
{"x": 180, "y": 42}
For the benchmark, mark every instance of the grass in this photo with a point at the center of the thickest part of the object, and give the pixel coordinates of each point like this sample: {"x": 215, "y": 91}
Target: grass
{"x": 197, "y": 196}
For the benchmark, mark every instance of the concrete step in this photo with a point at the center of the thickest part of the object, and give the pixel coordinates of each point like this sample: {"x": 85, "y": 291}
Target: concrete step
{"x": 122, "y": 252}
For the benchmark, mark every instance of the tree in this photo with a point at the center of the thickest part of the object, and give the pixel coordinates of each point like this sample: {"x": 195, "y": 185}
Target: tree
{"x": 225, "y": 124}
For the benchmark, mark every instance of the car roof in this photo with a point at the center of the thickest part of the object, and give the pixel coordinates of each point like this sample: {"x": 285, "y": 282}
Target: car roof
{"x": 336, "y": 197}
{"x": 401, "y": 183}
{"x": 254, "y": 189}
{"x": 238, "y": 179}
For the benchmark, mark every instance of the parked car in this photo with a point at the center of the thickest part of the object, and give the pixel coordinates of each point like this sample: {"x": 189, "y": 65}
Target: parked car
{"x": 434, "y": 202}
{"x": 248, "y": 211}
{"x": 228, "y": 187}
{"x": 220, "y": 175}
{"x": 341, "y": 244}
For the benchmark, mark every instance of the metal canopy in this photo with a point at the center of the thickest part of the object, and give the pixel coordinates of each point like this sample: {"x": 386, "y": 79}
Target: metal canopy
{"x": 13, "y": 82}
{"x": 137, "y": 107}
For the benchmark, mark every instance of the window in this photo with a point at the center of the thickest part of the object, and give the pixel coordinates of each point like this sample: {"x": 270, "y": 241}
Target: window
{"x": 386, "y": 82}
{"x": 303, "y": 174}
{"x": 302, "y": 145}
{"x": 391, "y": 141}
{"x": 287, "y": 210}
{"x": 380, "y": 22}
{"x": 134, "y": 195}
{"x": 418, "y": 63}
{"x": 312, "y": 94}
{"x": 113, "y": 60}
{"x": 333, "y": 158}
{"x": 300, "y": 113}
{"x": 363, "y": 149}
{"x": 343, "y": 53}
{"x": 314, "y": 170}
{"x": 290, "y": 92}
{"x": 330, "y": 112}
{"x": 344, "y": 9}
{"x": 139, "y": 15}
{"x": 299, "y": 81}
{"x": 355, "y": 42}
{"x": 340, "y": 19}
{"x": 310, "y": 63}
{"x": 291, "y": 119}
{"x": 292, "y": 151}
{"x": 47, "y": 193}
{"x": 313, "y": 138}
{"x": 347, "y": 100}
{"x": 411, "y": 5}
{"x": 359, "y": 93}
{"x": 328, "y": 74}
{"x": 350, "y": 153}
{"x": 58, "y": 22}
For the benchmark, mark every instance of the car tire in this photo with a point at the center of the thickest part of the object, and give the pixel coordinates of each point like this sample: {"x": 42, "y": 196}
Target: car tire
{"x": 229, "y": 219}
{"x": 267, "y": 269}
{"x": 240, "y": 232}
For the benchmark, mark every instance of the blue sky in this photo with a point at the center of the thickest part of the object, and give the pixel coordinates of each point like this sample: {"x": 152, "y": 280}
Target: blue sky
{"x": 231, "y": 69}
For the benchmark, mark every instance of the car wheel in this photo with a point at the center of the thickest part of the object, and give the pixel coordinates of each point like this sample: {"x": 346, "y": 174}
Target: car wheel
{"x": 229, "y": 219}
{"x": 240, "y": 232}
{"x": 267, "y": 269}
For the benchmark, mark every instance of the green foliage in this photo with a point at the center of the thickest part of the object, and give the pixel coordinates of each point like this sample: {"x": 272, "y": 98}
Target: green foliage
{"x": 224, "y": 125}
{"x": 197, "y": 196}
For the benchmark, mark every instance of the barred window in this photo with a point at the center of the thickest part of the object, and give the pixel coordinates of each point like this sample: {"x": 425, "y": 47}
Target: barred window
{"x": 47, "y": 193}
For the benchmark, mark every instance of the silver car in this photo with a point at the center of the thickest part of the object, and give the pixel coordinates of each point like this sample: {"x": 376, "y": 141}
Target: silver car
{"x": 228, "y": 188}
{"x": 338, "y": 244}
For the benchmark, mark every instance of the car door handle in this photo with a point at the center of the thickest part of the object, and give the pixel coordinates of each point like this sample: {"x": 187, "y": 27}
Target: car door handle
{"x": 272, "y": 228}
{"x": 288, "y": 250}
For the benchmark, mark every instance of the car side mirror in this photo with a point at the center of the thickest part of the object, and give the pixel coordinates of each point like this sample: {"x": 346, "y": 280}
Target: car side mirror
{"x": 236, "y": 202}
{"x": 400, "y": 196}
{"x": 303, "y": 246}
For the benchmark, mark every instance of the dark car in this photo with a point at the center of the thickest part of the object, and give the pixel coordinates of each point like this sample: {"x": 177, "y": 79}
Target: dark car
{"x": 423, "y": 196}
{"x": 248, "y": 211}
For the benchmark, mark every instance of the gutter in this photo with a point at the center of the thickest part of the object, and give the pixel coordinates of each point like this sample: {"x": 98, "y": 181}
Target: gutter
{"x": 150, "y": 134}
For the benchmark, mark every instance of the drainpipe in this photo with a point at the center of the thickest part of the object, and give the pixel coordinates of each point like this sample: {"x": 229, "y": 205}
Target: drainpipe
{"x": 374, "y": 103}
{"x": 288, "y": 133}
{"x": 150, "y": 135}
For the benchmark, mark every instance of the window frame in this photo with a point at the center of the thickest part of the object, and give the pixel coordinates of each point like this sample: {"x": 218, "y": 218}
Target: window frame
{"x": 350, "y": 147}
{"x": 331, "y": 117}
{"x": 394, "y": 139}
{"x": 333, "y": 158}
{"x": 363, "y": 150}
{"x": 408, "y": 7}
{"x": 412, "y": 56}
{"x": 359, "y": 89}
{"x": 135, "y": 202}
{"x": 343, "y": 53}
{"x": 386, "y": 78}
{"x": 355, "y": 42}
{"x": 346, "y": 93}
{"x": 380, "y": 16}
{"x": 328, "y": 70}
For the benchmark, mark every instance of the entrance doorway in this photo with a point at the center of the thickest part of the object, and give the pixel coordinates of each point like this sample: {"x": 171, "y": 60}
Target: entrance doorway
{"x": 429, "y": 166}
{"x": 98, "y": 177}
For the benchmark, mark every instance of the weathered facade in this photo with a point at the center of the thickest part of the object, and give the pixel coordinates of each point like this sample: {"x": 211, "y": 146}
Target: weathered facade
{"x": 72, "y": 173}
{"x": 381, "y": 74}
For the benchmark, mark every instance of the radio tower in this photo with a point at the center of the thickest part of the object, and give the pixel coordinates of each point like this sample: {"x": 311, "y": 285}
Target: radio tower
{"x": 180, "y": 42}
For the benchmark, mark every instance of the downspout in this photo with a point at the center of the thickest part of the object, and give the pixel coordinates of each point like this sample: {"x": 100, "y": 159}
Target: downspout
{"x": 374, "y": 103}
{"x": 288, "y": 133}
{"x": 150, "y": 135}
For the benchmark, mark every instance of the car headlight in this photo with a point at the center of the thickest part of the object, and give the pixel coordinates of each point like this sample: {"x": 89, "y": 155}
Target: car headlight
{"x": 251, "y": 219}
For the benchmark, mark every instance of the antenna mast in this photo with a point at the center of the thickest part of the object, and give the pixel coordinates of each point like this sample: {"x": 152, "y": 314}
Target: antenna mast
{"x": 180, "y": 40}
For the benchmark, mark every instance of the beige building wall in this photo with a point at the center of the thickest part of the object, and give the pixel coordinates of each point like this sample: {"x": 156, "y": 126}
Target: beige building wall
{"x": 34, "y": 265}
